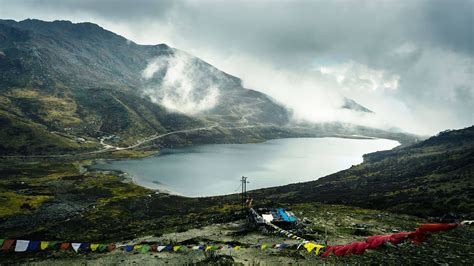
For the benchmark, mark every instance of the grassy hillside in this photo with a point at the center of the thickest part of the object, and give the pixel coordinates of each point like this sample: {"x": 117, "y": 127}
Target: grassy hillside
{"x": 434, "y": 177}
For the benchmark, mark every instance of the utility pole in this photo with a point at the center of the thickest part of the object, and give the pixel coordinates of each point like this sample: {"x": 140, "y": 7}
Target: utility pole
{"x": 244, "y": 191}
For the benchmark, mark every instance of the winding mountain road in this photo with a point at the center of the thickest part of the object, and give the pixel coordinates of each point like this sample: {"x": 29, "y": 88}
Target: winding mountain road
{"x": 109, "y": 148}
{"x": 155, "y": 137}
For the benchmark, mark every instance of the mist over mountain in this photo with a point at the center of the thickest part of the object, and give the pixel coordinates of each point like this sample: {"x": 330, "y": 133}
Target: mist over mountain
{"x": 61, "y": 81}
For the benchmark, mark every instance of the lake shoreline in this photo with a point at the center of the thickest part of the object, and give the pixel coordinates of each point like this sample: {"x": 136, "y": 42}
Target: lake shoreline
{"x": 145, "y": 181}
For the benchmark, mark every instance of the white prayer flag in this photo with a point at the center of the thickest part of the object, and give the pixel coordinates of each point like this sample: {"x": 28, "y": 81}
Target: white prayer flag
{"x": 76, "y": 246}
{"x": 21, "y": 245}
{"x": 267, "y": 217}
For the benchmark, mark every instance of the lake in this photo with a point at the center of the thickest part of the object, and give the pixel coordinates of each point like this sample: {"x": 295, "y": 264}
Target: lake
{"x": 209, "y": 170}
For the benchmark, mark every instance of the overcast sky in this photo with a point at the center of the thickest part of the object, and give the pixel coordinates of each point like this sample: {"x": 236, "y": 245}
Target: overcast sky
{"x": 411, "y": 62}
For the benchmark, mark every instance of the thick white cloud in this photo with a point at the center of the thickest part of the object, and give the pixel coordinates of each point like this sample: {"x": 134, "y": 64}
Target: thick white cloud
{"x": 182, "y": 86}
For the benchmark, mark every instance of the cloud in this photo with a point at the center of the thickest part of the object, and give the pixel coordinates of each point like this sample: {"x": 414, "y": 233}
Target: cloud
{"x": 352, "y": 75}
{"x": 177, "y": 82}
{"x": 324, "y": 96}
{"x": 410, "y": 61}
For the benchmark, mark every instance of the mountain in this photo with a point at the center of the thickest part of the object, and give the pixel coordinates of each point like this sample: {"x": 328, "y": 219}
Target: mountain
{"x": 64, "y": 86}
{"x": 353, "y": 105}
{"x": 430, "y": 178}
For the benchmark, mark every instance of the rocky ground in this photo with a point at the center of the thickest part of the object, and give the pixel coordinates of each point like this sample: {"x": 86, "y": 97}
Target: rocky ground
{"x": 343, "y": 225}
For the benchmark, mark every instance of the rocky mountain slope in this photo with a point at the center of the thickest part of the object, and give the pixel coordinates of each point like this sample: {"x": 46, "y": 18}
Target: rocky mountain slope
{"x": 65, "y": 85}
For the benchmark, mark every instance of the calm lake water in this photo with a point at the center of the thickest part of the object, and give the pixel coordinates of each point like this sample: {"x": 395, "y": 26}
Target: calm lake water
{"x": 208, "y": 170}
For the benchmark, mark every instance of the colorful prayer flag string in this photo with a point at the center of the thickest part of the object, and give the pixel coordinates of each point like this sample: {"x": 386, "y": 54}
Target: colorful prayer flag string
{"x": 419, "y": 235}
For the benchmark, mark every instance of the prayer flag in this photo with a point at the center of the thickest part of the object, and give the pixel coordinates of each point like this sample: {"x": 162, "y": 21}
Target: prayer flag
{"x": 111, "y": 247}
{"x": 21, "y": 245}
{"x": 64, "y": 246}
{"x": 145, "y": 249}
{"x": 318, "y": 249}
{"x": 33, "y": 246}
{"x": 53, "y": 244}
{"x": 7, "y": 244}
{"x": 102, "y": 247}
{"x": 94, "y": 247}
{"x": 76, "y": 246}
{"x": 44, "y": 245}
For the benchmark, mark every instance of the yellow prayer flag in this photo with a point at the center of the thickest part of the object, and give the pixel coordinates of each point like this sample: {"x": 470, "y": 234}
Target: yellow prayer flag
{"x": 94, "y": 247}
{"x": 137, "y": 247}
{"x": 264, "y": 247}
{"x": 208, "y": 248}
{"x": 44, "y": 245}
{"x": 318, "y": 248}
{"x": 309, "y": 246}
{"x": 237, "y": 247}
{"x": 176, "y": 248}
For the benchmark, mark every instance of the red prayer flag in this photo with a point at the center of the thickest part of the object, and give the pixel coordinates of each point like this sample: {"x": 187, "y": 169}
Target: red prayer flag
{"x": 328, "y": 251}
{"x": 7, "y": 244}
{"x": 341, "y": 250}
{"x": 398, "y": 237}
{"x": 357, "y": 248}
{"x": 64, "y": 246}
{"x": 376, "y": 241}
{"x": 437, "y": 227}
{"x": 111, "y": 247}
{"x": 373, "y": 242}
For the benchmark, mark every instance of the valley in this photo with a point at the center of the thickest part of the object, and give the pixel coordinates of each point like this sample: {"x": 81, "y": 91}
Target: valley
{"x": 75, "y": 93}
{"x": 58, "y": 200}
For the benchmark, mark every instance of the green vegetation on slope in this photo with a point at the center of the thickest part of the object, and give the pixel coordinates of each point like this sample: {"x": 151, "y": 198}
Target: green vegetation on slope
{"x": 434, "y": 177}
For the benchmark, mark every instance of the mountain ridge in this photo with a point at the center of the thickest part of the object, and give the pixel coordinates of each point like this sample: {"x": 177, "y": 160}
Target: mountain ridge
{"x": 85, "y": 82}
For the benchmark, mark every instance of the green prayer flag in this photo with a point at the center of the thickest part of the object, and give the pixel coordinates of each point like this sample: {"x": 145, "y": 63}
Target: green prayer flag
{"x": 102, "y": 247}
{"x": 53, "y": 245}
{"x": 1, "y": 242}
{"x": 145, "y": 249}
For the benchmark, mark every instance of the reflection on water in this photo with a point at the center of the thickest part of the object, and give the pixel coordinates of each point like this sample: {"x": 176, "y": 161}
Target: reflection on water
{"x": 216, "y": 169}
